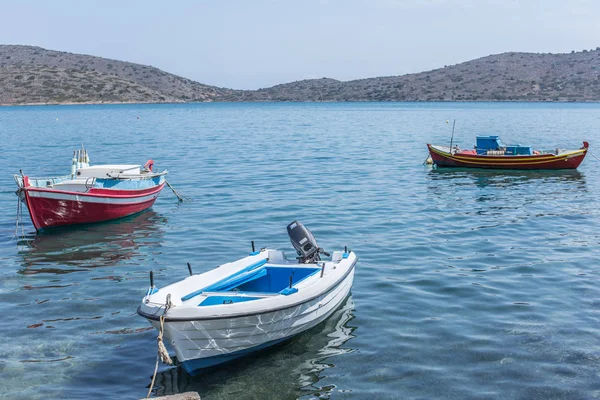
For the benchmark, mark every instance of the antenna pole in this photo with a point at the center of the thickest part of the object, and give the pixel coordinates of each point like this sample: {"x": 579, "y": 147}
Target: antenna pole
{"x": 452, "y": 138}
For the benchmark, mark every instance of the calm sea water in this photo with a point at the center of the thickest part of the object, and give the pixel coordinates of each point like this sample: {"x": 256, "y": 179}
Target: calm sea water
{"x": 470, "y": 284}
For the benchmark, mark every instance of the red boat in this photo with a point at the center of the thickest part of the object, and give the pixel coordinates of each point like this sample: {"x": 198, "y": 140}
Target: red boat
{"x": 90, "y": 193}
{"x": 490, "y": 152}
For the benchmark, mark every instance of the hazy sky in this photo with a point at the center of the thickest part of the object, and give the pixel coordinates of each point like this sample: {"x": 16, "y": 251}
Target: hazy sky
{"x": 260, "y": 43}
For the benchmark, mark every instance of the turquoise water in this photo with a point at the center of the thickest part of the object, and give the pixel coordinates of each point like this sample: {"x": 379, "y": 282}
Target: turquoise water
{"x": 470, "y": 284}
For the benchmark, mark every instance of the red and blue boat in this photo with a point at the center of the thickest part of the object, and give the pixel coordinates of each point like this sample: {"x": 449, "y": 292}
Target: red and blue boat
{"x": 90, "y": 193}
{"x": 491, "y": 153}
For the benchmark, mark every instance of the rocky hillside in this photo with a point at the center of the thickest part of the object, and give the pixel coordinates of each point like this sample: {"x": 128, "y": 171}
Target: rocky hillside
{"x": 34, "y": 75}
{"x": 501, "y": 77}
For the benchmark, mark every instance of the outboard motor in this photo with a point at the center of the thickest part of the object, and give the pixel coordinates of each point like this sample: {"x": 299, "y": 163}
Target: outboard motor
{"x": 305, "y": 243}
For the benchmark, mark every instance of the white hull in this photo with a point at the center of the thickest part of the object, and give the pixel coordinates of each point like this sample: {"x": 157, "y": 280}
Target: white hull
{"x": 209, "y": 338}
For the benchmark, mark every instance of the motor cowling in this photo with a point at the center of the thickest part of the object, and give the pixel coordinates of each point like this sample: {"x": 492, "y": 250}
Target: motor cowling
{"x": 304, "y": 242}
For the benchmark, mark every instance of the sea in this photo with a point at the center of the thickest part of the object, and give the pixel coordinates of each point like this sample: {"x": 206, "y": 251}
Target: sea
{"x": 471, "y": 284}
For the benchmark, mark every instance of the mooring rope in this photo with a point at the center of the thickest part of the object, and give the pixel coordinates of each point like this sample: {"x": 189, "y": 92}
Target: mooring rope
{"x": 177, "y": 193}
{"x": 593, "y": 155}
{"x": 19, "y": 218}
{"x": 162, "y": 350}
{"x": 163, "y": 354}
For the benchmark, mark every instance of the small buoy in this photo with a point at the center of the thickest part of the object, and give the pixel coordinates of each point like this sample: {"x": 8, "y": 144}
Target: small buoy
{"x": 429, "y": 161}
{"x": 447, "y": 121}
{"x": 138, "y": 117}
{"x": 57, "y": 119}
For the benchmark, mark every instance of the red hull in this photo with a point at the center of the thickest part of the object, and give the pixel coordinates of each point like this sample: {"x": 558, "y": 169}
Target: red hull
{"x": 51, "y": 208}
{"x": 567, "y": 160}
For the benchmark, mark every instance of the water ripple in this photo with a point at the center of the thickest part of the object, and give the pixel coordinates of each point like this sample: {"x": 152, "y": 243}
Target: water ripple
{"x": 471, "y": 284}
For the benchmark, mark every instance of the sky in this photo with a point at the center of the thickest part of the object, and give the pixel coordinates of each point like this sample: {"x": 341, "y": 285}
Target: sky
{"x": 260, "y": 43}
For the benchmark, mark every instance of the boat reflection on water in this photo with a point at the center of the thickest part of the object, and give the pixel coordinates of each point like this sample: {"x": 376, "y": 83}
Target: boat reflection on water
{"x": 291, "y": 369}
{"x": 500, "y": 178}
{"x": 70, "y": 249}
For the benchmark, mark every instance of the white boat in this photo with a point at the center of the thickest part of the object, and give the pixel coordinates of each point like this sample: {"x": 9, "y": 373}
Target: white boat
{"x": 250, "y": 304}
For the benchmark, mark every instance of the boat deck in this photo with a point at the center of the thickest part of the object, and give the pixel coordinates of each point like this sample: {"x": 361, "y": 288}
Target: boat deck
{"x": 257, "y": 281}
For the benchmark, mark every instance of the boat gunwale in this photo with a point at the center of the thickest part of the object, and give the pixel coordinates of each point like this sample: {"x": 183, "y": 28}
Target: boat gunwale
{"x": 19, "y": 178}
{"x": 156, "y": 317}
{"x": 521, "y": 157}
{"x": 149, "y": 191}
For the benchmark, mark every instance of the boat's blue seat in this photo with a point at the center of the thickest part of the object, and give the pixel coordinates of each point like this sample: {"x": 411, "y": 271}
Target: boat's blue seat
{"x": 218, "y": 300}
{"x": 215, "y": 287}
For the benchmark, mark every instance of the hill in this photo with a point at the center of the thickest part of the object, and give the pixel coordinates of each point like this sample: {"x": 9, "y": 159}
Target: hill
{"x": 31, "y": 74}
{"x": 34, "y": 75}
{"x": 501, "y": 77}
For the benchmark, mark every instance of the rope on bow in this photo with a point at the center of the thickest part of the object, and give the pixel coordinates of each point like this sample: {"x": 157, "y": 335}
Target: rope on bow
{"x": 163, "y": 354}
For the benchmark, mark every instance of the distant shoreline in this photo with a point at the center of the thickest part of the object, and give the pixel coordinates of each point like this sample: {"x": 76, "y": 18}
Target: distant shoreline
{"x": 33, "y": 76}
{"x": 73, "y": 103}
